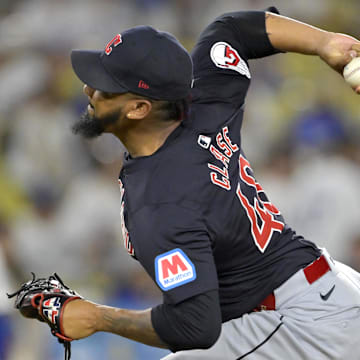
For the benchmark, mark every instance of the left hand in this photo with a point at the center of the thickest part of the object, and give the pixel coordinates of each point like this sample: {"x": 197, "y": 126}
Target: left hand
{"x": 338, "y": 50}
{"x": 45, "y": 299}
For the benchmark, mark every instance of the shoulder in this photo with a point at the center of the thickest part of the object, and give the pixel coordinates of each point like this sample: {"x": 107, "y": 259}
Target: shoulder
{"x": 180, "y": 171}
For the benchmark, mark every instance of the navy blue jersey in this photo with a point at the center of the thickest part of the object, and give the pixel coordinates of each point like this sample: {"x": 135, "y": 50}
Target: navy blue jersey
{"x": 193, "y": 213}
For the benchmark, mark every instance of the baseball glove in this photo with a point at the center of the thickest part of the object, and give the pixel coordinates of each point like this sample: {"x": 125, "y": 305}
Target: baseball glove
{"x": 44, "y": 299}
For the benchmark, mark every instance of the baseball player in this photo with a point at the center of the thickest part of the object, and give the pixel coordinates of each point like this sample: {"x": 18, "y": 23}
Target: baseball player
{"x": 237, "y": 281}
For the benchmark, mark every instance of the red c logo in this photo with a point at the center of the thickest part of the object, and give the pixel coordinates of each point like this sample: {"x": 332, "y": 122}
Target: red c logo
{"x": 113, "y": 43}
{"x": 232, "y": 55}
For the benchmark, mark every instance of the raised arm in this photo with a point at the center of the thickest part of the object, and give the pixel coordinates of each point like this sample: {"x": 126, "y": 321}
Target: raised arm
{"x": 290, "y": 35}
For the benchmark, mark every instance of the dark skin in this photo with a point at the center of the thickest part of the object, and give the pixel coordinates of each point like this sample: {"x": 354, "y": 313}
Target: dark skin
{"x": 139, "y": 126}
{"x": 142, "y": 130}
{"x": 84, "y": 318}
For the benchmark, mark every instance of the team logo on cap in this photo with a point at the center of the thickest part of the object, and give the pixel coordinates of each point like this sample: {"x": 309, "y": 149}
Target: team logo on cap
{"x": 226, "y": 57}
{"x": 113, "y": 43}
{"x": 173, "y": 269}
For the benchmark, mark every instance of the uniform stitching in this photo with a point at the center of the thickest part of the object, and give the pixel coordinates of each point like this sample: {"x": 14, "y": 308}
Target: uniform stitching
{"x": 262, "y": 343}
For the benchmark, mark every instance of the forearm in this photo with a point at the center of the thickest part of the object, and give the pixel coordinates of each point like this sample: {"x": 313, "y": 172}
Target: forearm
{"x": 135, "y": 325}
{"x": 83, "y": 318}
{"x": 290, "y": 35}
{"x": 192, "y": 324}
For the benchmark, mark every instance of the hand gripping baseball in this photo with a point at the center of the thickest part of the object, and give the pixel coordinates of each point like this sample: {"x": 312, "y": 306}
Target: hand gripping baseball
{"x": 44, "y": 299}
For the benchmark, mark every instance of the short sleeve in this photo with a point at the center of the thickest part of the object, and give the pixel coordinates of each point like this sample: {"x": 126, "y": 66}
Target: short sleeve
{"x": 173, "y": 246}
{"x": 220, "y": 57}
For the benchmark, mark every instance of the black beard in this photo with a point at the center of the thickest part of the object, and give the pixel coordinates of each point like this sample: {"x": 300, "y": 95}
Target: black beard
{"x": 91, "y": 126}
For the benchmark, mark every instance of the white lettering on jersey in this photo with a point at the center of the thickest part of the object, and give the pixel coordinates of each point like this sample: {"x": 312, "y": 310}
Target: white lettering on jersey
{"x": 173, "y": 269}
{"x": 220, "y": 176}
{"x": 127, "y": 243}
{"x": 225, "y": 56}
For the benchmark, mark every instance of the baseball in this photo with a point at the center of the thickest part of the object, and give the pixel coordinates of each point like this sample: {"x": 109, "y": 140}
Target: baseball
{"x": 352, "y": 72}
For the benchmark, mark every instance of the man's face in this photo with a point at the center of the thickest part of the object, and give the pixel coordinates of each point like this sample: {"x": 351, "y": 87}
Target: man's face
{"x": 101, "y": 115}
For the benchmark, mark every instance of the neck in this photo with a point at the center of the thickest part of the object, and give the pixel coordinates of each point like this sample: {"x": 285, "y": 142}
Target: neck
{"x": 146, "y": 141}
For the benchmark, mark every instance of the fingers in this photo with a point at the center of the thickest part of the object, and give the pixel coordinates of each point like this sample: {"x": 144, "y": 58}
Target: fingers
{"x": 353, "y": 54}
{"x": 356, "y": 89}
{"x": 347, "y": 58}
{"x": 356, "y": 47}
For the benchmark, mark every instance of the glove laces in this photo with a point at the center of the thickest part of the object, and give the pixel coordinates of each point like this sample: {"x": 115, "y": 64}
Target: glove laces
{"x": 67, "y": 347}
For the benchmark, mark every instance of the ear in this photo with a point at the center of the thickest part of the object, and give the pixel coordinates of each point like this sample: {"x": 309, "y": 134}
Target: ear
{"x": 138, "y": 109}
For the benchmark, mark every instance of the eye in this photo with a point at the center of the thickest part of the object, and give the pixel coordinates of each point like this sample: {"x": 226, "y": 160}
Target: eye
{"x": 107, "y": 95}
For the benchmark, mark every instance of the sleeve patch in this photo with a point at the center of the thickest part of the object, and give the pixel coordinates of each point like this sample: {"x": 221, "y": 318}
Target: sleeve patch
{"x": 225, "y": 56}
{"x": 173, "y": 269}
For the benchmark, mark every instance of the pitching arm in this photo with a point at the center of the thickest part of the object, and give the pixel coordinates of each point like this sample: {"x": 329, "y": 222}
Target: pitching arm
{"x": 290, "y": 35}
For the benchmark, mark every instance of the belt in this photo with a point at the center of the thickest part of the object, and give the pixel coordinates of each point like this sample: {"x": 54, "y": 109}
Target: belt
{"x": 312, "y": 272}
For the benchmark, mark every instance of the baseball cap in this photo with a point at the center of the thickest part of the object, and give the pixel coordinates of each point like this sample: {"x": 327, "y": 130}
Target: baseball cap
{"x": 141, "y": 60}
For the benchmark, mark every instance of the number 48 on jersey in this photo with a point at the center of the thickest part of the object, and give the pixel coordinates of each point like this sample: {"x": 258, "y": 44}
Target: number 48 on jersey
{"x": 261, "y": 213}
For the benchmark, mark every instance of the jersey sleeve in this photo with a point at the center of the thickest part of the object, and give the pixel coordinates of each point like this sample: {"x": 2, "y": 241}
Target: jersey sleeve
{"x": 221, "y": 55}
{"x": 173, "y": 246}
{"x": 192, "y": 324}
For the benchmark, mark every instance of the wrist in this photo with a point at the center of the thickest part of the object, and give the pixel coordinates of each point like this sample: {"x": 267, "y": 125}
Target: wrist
{"x": 99, "y": 323}
{"x": 323, "y": 45}
{"x": 80, "y": 319}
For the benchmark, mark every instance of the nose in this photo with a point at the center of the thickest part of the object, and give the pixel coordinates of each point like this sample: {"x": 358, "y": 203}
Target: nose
{"x": 89, "y": 91}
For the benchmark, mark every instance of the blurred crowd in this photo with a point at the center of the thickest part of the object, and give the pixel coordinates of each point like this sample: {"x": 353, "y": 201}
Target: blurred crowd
{"x": 59, "y": 198}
